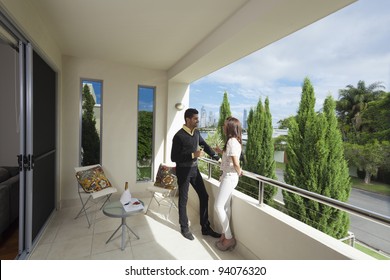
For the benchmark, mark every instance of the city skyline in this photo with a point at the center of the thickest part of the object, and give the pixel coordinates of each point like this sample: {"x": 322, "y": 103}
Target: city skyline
{"x": 336, "y": 51}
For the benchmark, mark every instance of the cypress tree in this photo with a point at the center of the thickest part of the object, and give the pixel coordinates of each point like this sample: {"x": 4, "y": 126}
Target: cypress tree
{"x": 267, "y": 153}
{"x": 259, "y": 151}
{"x": 336, "y": 179}
{"x": 224, "y": 112}
{"x": 316, "y": 163}
{"x": 90, "y": 141}
{"x": 253, "y": 161}
{"x": 247, "y": 185}
{"x": 219, "y": 138}
{"x": 303, "y": 161}
{"x": 250, "y": 152}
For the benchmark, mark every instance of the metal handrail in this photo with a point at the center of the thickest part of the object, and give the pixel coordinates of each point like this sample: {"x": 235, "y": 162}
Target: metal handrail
{"x": 364, "y": 213}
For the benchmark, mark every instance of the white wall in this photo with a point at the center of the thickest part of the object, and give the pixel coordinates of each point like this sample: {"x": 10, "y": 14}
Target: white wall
{"x": 178, "y": 93}
{"x": 279, "y": 156}
{"x": 268, "y": 234}
{"x": 119, "y": 117}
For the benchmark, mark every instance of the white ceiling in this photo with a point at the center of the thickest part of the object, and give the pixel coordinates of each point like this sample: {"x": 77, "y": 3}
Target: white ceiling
{"x": 187, "y": 38}
{"x": 148, "y": 33}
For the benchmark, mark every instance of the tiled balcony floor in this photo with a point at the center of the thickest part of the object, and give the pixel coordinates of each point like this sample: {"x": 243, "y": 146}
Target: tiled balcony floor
{"x": 68, "y": 239}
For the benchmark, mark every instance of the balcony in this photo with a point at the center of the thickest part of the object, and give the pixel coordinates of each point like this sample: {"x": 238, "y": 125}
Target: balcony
{"x": 262, "y": 232}
{"x": 160, "y": 239}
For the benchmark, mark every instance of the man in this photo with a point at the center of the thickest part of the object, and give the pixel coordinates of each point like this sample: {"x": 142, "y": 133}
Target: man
{"x": 185, "y": 152}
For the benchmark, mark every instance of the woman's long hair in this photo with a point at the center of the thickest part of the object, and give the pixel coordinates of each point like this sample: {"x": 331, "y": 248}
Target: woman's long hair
{"x": 232, "y": 130}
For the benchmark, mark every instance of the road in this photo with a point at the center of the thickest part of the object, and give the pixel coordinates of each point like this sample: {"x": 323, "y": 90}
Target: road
{"x": 373, "y": 234}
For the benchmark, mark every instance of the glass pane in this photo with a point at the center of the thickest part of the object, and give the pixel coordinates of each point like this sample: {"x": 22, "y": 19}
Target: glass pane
{"x": 145, "y": 133}
{"x": 91, "y": 92}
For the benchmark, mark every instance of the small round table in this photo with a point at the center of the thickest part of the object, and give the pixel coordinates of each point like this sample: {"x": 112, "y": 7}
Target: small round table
{"x": 115, "y": 210}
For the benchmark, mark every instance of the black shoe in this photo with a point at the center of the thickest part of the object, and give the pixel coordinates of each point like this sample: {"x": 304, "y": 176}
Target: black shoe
{"x": 209, "y": 231}
{"x": 187, "y": 234}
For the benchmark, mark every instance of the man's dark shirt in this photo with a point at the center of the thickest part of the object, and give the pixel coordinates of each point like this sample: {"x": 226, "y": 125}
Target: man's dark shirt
{"x": 184, "y": 144}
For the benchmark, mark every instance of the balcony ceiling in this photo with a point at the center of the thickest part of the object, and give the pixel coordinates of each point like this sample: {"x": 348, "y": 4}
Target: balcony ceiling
{"x": 187, "y": 38}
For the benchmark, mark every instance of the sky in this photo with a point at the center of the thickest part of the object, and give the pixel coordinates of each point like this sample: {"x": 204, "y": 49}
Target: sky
{"x": 97, "y": 88}
{"x": 350, "y": 45}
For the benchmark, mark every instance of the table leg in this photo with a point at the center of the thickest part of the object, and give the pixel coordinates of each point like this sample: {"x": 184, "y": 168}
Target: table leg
{"x": 132, "y": 231}
{"x": 123, "y": 233}
{"x": 123, "y": 225}
{"x": 113, "y": 234}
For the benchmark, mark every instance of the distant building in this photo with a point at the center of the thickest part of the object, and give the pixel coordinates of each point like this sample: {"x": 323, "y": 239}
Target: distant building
{"x": 96, "y": 108}
{"x": 279, "y": 131}
{"x": 203, "y": 117}
{"x": 212, "y": 120}
{"x": 280, "y": 156}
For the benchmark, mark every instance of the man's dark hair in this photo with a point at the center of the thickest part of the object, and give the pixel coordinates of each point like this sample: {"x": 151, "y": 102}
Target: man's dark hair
{"x": 190, "y": 112}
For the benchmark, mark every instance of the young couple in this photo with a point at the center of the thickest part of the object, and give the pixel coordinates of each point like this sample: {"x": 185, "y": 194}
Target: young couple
{"x": 185, "y": 153}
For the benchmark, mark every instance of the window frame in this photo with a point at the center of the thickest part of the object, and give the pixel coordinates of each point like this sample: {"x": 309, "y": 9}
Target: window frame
{"x": 152, "y": 165}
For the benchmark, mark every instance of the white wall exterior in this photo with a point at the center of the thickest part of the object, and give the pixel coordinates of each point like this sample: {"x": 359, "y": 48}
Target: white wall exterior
{"x": 279, "y": 156}
{"x": 278, "y": 236}
{"x": 119, "y": 119}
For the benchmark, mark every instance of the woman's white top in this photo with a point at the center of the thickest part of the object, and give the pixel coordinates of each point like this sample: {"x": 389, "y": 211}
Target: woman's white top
{"x": 233, "y": 148}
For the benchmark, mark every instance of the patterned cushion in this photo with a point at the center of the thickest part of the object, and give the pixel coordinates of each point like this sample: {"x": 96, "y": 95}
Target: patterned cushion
{"x": 166, "y": 177}
{"x": 93, "y": 180}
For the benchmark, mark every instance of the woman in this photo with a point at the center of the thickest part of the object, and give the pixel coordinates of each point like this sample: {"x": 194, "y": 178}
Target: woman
{"x": 230, "y": 166}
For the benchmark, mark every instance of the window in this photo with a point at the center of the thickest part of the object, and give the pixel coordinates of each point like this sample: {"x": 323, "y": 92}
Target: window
{"x": 145, "y": 133}
{"x": 91, "y": 111}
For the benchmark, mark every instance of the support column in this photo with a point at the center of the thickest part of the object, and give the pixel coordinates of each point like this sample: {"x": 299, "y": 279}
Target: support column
{"x": 177, "y": 93}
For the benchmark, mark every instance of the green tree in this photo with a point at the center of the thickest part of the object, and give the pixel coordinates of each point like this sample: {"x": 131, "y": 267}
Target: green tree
{"x": 280, "y": 143}
{"x": 224, "y": 112}
{"x": 90, "y": 141}
{"x": 368, "y": 157}
{"x": 316, "y": 163}
{"x": 145, "y": 135}
{"x": 353, "y": 102}
{"x": 247, "y": 185}
{"x": 285, "y": 123}
{"x": 218, "y": 138}
{"x": 336, "y": 182}
{"x": 267, "y": 153}
{"x": 214, "y": 140}
{"x": 376, "y": 120}
{"x": 255, "y": 138}
{"x": 259, "y": 151}
{"x": 251, "y": 144}
{"x": 145, "y": 145}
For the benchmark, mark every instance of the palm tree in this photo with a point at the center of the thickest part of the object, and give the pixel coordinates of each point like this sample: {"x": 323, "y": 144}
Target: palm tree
{"x": 353, "y": 101}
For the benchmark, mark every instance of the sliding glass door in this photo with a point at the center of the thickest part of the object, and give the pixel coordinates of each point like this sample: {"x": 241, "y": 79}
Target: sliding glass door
{"x": 36, "y": 110}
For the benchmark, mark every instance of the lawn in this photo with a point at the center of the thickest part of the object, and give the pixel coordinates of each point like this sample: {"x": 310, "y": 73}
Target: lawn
{"x": 370, "y": 252}
{"x": 376, "y": 187}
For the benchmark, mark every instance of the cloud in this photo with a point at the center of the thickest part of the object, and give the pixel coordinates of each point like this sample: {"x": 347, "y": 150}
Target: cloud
{"x": 341, "y": 49}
